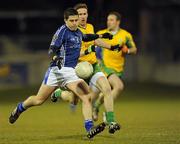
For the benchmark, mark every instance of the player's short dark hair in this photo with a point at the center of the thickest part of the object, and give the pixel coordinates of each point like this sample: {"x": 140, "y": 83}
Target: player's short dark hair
{"x": 117, "y": 14}
{"x": 80, "y": 5}
{"x": 70, "y": 12}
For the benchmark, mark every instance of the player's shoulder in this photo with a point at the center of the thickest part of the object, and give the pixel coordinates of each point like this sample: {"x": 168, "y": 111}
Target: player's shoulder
{"x": 125, "y": 31}
{"x": 62, "y": 29}
{"x": 90, "y": 26}
{"x": 102, "y": 31}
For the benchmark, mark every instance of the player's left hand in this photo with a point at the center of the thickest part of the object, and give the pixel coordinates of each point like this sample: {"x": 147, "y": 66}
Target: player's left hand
{"x": 125, "y": 49}
{"x": 107, "y": 36}
{"x": 122, "y": 48}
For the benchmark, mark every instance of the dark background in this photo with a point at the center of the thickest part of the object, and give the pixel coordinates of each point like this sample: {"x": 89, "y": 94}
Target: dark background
{"x": 20, "y": 17}
{"x": 26, "y": 27}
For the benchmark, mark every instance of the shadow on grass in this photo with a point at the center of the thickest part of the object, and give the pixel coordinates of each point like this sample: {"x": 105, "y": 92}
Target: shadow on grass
{"x": 80, "y": 137}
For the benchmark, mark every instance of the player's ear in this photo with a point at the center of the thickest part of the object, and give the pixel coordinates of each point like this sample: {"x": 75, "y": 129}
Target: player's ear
{"x": 119, "y": 22}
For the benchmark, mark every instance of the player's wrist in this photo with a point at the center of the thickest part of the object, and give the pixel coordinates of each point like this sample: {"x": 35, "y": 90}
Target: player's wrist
{"x": 116, "y": 47}
{"x": 107, "y": 36}
{"x": 90, "y": 50}
{"x": 126, "y": 50}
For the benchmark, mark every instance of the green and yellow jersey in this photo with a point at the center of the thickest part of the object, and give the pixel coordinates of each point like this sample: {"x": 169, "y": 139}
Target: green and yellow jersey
{"x": 91, "y": 58}
{"x": 113, "y": 61}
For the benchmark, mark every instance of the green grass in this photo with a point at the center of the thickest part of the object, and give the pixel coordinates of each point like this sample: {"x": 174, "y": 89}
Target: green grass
{"x": 151, "y": 120}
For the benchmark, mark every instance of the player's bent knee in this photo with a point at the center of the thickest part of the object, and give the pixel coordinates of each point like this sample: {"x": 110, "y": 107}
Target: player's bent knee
{"x": 121, "y": 87}
{"x": 104, "y": 85}
{"x": 106, "y": 91}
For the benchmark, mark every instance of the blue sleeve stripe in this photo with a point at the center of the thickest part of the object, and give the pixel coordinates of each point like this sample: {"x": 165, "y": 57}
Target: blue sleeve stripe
{"x": 60, "y": 35}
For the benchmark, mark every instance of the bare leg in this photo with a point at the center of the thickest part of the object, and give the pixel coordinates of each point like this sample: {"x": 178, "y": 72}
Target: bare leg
{"x": 105, "y": 88}
{"x": 116, "y": 84}
{"x": 81, "y": 89}
{"x": 42, "y": 95}
{"x": 36, "y": 100}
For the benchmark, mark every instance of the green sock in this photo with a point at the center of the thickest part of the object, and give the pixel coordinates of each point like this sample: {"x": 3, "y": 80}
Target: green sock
{"x": 110, "y": 117}
{"x": 58, "y": 92}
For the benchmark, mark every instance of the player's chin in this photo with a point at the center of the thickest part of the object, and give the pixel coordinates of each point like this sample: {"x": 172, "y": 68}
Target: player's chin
{"x": 74, "y": 28}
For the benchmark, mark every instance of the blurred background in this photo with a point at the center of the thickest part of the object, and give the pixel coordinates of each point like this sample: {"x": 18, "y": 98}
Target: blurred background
{"x": 148, "y": 109}
{"x": 28, "y": 26}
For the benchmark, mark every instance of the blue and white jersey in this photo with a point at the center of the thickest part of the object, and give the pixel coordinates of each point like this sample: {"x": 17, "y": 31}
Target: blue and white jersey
{"x": 67, "y": 44}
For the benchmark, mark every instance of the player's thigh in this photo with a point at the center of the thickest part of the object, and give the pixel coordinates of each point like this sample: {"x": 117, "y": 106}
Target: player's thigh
{"x": 45, "y": 91}
{"x": 79, "y": 88}
{"x": 103, "y": 85}
{"x": 99, "y": 83}
{"x": 116, "y": 82}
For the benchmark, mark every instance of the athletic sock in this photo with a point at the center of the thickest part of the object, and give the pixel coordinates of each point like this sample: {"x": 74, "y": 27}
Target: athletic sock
{"x": 88, "y": 125}
{"x": 110, "y": 117}
{"x": 20, "y": 107}
{"x": 58, "y": 92}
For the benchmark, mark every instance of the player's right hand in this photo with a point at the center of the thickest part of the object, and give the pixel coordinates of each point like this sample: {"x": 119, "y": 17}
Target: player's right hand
{"x": 58, "y": 61}
{"x": 116, "y": 47}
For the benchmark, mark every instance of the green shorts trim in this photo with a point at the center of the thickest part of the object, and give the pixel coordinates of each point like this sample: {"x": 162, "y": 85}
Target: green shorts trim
{"x": 96, "y": 68}
{"x": 109, "y": 71}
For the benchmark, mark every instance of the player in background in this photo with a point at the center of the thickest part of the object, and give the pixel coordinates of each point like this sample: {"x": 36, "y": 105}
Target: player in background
{"x": 65, "y": 50}
{"x": 112, "y": 62}
{"x": 98, "y": 81}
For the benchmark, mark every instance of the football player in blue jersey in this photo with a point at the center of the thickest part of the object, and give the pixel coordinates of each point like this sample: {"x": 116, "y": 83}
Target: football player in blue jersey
{"x": 65, "y": 50}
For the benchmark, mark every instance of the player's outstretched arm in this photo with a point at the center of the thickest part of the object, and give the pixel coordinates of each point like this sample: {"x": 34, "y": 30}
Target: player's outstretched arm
{"x": 91, "y": 37}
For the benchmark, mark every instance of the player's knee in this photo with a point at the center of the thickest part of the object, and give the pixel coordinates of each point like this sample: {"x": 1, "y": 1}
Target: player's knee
{"x": 105, "y": 86}
{"x": 119, "y": 88}
{"x": 106, "y": 91}
{"x": 86, "y": 101}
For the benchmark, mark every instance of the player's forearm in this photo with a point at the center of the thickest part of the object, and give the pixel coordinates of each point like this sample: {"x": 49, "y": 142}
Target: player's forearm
{"x": 133, "y": 50}
{"x": 90, "y": 37}
{"x": 102, "y": 44}
{"x": 53, "y": 51}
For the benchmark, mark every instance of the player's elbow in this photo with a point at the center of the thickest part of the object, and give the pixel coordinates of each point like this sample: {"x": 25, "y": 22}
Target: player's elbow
{"x": 134, "y": 50}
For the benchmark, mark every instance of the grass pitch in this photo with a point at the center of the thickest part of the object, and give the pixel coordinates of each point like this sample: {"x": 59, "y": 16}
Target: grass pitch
{"x": 148, "y": 115}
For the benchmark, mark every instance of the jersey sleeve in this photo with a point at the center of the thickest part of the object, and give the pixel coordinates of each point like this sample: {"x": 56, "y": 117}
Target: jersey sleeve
{"x": 129, "y": 41}
{"x": 57, "y": 40}
{"x": 89, "y": 37}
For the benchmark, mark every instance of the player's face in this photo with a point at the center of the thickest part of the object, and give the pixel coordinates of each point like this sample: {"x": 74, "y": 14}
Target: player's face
{"x": 83, "y": 15}
{"x": 72, "y": 22}
{"x": 112, "y": 22}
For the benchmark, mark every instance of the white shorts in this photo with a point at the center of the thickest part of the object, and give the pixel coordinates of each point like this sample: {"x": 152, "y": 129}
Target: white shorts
{"x": 60, "y": 77}
{"x": 92, "y": 82}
